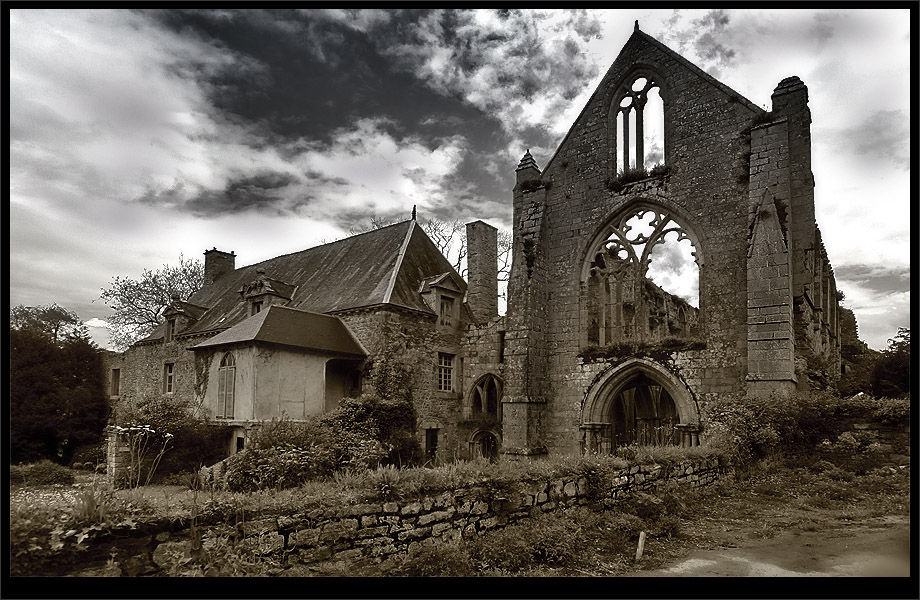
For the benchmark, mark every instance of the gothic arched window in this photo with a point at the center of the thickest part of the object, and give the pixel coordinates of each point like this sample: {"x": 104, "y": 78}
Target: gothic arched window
{"x": 641, "y": 279}
{"x": 486, "y": 396}
{"x": 638, "y": 114}
{"x": 226, "y": 386}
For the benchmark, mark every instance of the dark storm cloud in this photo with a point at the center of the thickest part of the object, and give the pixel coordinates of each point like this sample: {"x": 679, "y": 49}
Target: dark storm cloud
{"x": 882, "y": 137}
{"x": 262, "y": 191}
{"x": 317, "y": 73}
{"x": 876, "y": 278}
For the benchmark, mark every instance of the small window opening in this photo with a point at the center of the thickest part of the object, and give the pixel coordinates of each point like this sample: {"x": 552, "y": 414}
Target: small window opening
{"x": 639, "y": 127}
{"x": 226, "y": 386}
{"x": 447, "y": 311}
{"x": 170, "y": 329}
{"x": 168, "y": 378}
{"x": 240, "y": 443}
{"x": 116, "y": 382}
{"x": 256, "y": 308}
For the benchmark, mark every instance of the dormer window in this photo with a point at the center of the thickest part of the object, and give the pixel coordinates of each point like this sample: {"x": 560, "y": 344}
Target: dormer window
{"x": 447, "y": 311}
{"x": 170, "y": 329}
{"x": 256, "y": 308}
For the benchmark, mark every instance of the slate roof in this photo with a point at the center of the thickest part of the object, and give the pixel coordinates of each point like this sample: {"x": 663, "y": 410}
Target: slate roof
{"x": 380, "y": 267}
{"x": 290, "y": 327}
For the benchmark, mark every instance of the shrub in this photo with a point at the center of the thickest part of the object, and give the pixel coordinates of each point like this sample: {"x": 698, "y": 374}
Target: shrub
{"x": 194, "y": 442}
{"x": 544, "y": 540}
{"x": 43, "y": 472}
{"x": 434, "y": 560}
{"x": 287, "y": 454}
{"x": 89, "y": 453}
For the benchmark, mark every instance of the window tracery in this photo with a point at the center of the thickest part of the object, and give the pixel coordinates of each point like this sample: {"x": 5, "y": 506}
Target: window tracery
{"x": 638, "y": 116}
{"x": 622, "y": 302}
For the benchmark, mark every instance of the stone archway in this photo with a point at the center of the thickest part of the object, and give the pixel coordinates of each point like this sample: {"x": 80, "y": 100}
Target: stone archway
{"x": 638, "y": 401}
{"x": 484, "y": 444}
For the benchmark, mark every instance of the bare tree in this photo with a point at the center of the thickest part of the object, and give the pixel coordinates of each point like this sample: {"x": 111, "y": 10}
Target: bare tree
{"x": 139, "y": 303}
{"x": 450, "y": 238}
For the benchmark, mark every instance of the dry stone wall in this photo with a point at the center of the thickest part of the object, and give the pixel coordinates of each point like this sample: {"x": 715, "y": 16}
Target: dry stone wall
{"x": 375, "y": 531}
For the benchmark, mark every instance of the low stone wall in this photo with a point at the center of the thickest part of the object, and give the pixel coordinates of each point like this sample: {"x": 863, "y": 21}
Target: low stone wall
{"x": 892, "y": 439}
{"x": 375, "y": 531}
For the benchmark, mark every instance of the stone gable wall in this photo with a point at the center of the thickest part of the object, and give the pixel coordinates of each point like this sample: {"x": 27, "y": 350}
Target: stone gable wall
{"x": 705, "y": 148}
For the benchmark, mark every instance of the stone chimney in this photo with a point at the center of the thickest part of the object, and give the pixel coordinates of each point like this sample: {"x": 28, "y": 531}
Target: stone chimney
{"x": 482, "y": 273}
{"x": 216, "y": 263}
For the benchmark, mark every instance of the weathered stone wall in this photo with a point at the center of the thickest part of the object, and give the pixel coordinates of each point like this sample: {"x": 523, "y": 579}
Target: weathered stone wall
{"x": 142, "y": 373}
{"x": 375, "y": 531}
{"x": 483, "y": 354}
{"x": 414, "y": 340}
{"x": 704, "y": 124}
{"x": 720, "y": 165}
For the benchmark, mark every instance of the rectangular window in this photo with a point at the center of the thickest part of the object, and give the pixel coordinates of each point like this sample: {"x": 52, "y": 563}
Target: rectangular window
{"x": 116, "y": 382}
{"x": 256, "y": 308}
{"x": 170, "y": 330}
{"x": 447, "y": 311}
{"x": 445, "y": 372}
{"x": 431, "y": 444}
{"x": 168, "y": 378}
{"x": 501, "y": 346}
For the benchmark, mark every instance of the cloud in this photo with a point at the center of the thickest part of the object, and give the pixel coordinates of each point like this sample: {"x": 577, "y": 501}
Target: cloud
{"x": 878, "y": 278}
{"x": 521, "y": 67}
{"x": 884, "y": 136}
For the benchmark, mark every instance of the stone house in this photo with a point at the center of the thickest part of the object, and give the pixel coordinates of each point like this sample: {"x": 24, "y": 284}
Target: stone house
{"x": 291, "y": 336}
{"x": 592, "y": 352}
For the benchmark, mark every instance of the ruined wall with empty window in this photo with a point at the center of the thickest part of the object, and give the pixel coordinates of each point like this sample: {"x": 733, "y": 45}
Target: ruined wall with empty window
{"x": 589, "y": 320}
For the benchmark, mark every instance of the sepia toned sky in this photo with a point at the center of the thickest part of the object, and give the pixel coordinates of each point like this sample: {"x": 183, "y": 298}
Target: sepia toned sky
{"x": 140, "y": 135}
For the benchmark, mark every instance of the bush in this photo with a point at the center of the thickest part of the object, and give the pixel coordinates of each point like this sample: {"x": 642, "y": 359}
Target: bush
{"x": 194, "y": 441}
{"x": 434, "y": 560}
{"x": 549, "y": 540}
{"x": 90, "y": 453}
{"x": 286, "y": 454}
{"x": 43, "y": 472}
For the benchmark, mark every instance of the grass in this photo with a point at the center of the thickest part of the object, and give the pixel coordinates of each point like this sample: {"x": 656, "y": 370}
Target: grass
{"x": 775, "y": 495}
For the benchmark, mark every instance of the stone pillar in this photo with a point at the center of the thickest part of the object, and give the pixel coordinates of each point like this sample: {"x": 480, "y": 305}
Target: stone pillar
{"x": 771, "y": 350}
{"x": 482, "y": 262}
{"x": 523, "y": 400}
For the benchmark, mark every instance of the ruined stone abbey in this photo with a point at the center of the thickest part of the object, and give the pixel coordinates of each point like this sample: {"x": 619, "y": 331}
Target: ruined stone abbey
{"x": 592, "y": 353}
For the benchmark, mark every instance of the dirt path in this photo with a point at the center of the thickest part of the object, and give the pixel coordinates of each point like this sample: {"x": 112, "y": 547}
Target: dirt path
{"x": 881, "y": 549}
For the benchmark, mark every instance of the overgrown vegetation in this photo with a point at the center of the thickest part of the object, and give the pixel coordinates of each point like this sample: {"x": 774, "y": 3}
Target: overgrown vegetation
{"x": 361, "y": 433}
{"x": 750, "y": 428}
{"x": 627, "y": 176}
{"x": 57, "y": 403}
{"x": 188, "y": 441}
{"x": 658, "y": 350}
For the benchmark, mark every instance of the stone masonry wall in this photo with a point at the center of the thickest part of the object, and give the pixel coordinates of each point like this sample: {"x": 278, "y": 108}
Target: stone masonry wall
{"x": 378, "y": 530}
{"x": 414, "y": 340}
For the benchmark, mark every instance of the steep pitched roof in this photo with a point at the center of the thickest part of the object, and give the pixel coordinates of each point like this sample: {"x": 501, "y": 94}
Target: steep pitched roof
{"x": 290, "y": 327}
{"x": 380, "y": 267}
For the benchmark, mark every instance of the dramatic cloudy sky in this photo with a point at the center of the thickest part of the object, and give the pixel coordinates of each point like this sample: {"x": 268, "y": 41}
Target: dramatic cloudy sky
{"x": 137, "y": 136}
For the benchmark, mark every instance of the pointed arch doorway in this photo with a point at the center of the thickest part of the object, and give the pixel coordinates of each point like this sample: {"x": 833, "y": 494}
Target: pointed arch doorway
{"x": 638, "y": 402}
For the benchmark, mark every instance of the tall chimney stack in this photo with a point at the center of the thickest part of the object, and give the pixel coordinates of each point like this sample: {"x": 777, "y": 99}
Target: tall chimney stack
{"x": 216, "y": 263}
{"x": 482, "y": 273}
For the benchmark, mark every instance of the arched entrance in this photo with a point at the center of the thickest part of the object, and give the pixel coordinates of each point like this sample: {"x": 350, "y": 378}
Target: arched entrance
{"x": 484, "y": 444}
{"x": 638, "y": 402}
